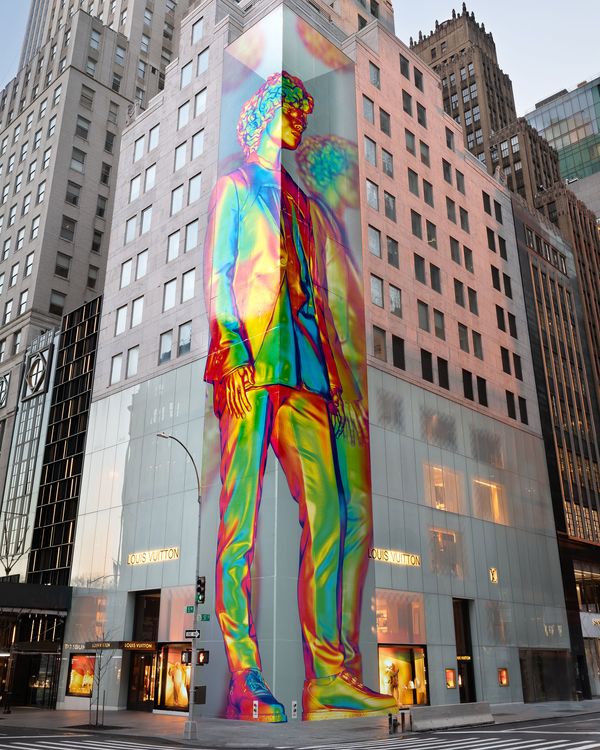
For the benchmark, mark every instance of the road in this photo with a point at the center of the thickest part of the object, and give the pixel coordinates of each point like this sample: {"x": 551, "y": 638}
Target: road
{"x": 580, "y": 733}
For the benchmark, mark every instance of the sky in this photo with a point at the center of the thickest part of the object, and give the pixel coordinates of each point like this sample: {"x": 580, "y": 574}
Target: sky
{"x": 542, "y": 52}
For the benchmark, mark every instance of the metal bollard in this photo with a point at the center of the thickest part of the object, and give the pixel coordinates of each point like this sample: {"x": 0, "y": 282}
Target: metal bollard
{"x": 390, "y": 724}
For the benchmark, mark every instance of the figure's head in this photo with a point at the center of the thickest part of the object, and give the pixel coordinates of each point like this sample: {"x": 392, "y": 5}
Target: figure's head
{"x": 328, "y": 166}
{"x": 280, "y": 105}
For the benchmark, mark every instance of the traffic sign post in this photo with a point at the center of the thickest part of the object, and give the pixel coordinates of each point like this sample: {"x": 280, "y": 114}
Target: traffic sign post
{"x": 192, "y": 634}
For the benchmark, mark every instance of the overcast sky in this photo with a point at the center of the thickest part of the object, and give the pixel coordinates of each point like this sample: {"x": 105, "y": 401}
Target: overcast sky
{"x": 543, "y": 45}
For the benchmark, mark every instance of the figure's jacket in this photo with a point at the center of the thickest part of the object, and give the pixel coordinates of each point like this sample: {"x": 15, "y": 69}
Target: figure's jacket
{"x": 243, "y": 256}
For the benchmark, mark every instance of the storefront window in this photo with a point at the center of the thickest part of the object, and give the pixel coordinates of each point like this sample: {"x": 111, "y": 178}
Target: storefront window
{"x": 403, "y": 674}
{"x": 450, "y": 678}
{"x": 503, "y": 677}
{"x": 175, "y": 677}
{"x": 81, "y": 675}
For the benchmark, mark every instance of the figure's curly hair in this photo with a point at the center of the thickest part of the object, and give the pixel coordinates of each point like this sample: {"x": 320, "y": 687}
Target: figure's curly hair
{"x": 321, "y": 159}
{"x": 259, "y": 110}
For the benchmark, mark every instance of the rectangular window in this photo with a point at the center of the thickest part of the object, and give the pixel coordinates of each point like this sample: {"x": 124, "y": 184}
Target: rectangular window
{"x": 374, "y": 241}
{"x": 431, "y": 234}
{"x": 438, "y": 324}
{"x": 389, "y": 202}
{"x": 482, "y": 391}
{"x": 460, "y": 181}
{"x": 101, "y": 206}
{"x": 393, "y": 255}
{"x": 467, "y": 384}
{"x": 404, "y": 66}
{"x": 473, "y": 307}
{"x": 176, "y": 200}
{"x": 137, "y": 311}
{"x": 153, "y": 137}
{"x": 385, "y": 122}
{"x": 169, "y": 294}
{"x": 120, "y": 320}
{"x": 468, "y": 256}
{"x": 418, "y": 77}
{"x": 133, "y": 356}
{"x": 202, "y": 64}
{"x": 372, "y": 195}
{"x": 77, "y": 160}
{"x": 455, "y": 250}
{"x": 125, "y": 277}
{"x": 428, "y": 193}
{"x": 379, "y": 344}
{"x": 518, "y": 367}
{"x": 395, "y": 301}
{"x": 115, "y": 368}
{"x": 498, "y": 212}
{"x": 411, "y": 144}
{"x": 150, "y": 177}
{"x": 407, "y": 102}
{"x": 376, "y": 290}
{"x": 199, "y": 102}
{"x": 447, "y": 171}
{"x": 443, "y": 379}
{"x": 130, "y": 229}
{"x": 451, "y": 209}
{"x": 459, "y": 293}
{"x": 426, "y": 365}
{"x": 398, "y": 359}
{"x": 419, "y": 263}
{"x": 67, "y": 229}
{"x": 512, "y": 325}
{"x": 500, "y": 319}
{"x": 387, "y": 162}
{"x": 507, "y": 286}
{"x": 374, "y": 75}
{"x": 197, "y": 144}
{"x": 141, "y": 264}
{"x": 413, "y": 182}
{"x": 449, "y": 139}
{"x": 505, "y": 356}
{"x": 424, "y": 153}
{"x": 416, "y": 224}
{"x": 491, "y": 239}
{"x": 165, "y": 347}
{"x": 198, "y": 31}
{"x": 495, "y": 278}
{"x": 185, "y": 338}
{"x": 191, "y": 236}
{"x": 368, "y": 109}
{"x": 510, "y": 405}
{"x": 523, "y": 410}
{"x": 464, "y": 219}
{"x": 186, "y": 75}
{"x": 435, "y": 277}
{"x": 187, "y": 285}
{"x": 194, "y": 188}
{"x": 421, "y": 115}
{"x": 423, "y": 315}
{"x": 463, "y": 337}
{"x": 502, "y": 247}
{"x": 57, "y": 302}
{"x": 62, "y": 266}
{"x": 477, "y": 344}
{"x": 183, "y": 115}
{"x": 92, "y": 278}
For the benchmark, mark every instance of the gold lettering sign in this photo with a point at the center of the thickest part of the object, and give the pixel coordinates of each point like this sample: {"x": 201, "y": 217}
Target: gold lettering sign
{"x": 147, "y": 557}
{"x": 395, "y": 557}
{"x": 596, "y": 623}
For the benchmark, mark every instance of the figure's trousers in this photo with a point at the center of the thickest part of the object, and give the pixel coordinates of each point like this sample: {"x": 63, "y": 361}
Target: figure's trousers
{"x": 296, "y": 424}
{"x": 355, "y": 472}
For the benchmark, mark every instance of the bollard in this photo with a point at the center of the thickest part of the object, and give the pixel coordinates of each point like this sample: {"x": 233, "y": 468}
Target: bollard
{"x": 390, "y": 724}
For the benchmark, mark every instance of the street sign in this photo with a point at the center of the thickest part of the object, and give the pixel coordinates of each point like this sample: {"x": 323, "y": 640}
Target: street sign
{"x": 204, "y": 618}
{"x": 192, "y": 634}
{"x": 189, "y": 610}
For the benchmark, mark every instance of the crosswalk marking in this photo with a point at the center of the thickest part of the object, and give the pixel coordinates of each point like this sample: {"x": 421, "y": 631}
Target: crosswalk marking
{"x": 467, "y": 743}
{"x": 76, "y": 742}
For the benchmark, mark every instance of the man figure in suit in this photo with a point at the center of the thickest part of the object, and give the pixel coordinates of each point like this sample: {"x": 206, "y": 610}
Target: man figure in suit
{"x": 277, "y": 383}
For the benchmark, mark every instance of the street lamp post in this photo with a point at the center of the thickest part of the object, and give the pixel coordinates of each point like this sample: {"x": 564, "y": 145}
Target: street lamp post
{"x": 190, "y": 729}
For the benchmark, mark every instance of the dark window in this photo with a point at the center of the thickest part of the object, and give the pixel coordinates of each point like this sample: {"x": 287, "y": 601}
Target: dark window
{"x": 418, "y": 78}
{"x": 407, "y": 102}
{"x": 415, "y": 221}
{"x": 428, "y": 193}
{"x": 496, "y": 278}
{"x": 385, "y": 122}
{"x": 447, "y": 169}
{"x": 512, "y": 325}
{"x": 451, "y": 209}
{"x": 498, "y": 212}
{"x": 500, "y": 318}
{"x": 491, "y": 239}
{"x": 413, "y": 182}
{"x": 468, "y": 253}
{"x": 450, "y": 139}
{"x": 523, "y": 410}
{"x": 410, "y": 142}
{"x": 420, "y": 269}
{"x": 421, "y": 115}
{"x": 517, "y": 366}
{"x": 455, "y": 250}
{"x": 443, "y": 379}
{"x": 374, "y": 75}
{"x": 473, "y": 307}
{"x": 505, "y": 359}
{"x": 467, "y": 384}
{"x": 502, "y": 247}
{"x": 435, "y": 277}
{"x": 424, "y": 153}
{"x": 510, "y": 405}
{"x": 507, "y": 286}
{"x": 459, "y": 293}
{"x": 460, "y": 181}
{"x": 427, "y": 365}
{"x": 431, "y": 234}
{"x": 398, "y": 352}
{"x": 404, "y": 67}
{"x": 487, "y": 203}
{"x": 392, "y": 252}
{"x": 482, "y": 391}
{"x": 389, "y": 204}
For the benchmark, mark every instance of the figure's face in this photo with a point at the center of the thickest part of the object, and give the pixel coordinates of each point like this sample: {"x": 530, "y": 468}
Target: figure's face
{"x": 287, "y": 126}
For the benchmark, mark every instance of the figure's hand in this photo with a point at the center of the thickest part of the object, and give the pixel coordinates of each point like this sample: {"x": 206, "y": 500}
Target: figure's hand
{"x": 235, "y": 384}
{"x": 356, "y": 422}
{"x": 338, "y": 415}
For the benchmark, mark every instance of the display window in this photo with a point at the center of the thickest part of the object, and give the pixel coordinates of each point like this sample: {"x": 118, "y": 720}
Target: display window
{"x": 403, "y": 674}
{"x": 81, "y": 675}
{"x": 175, "y": 677}
{"x": 503, "y": 677}
{"x": 450, "y": 678}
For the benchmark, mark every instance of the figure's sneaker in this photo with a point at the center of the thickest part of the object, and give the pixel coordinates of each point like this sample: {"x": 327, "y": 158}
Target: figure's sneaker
{"x": 247, "y": 686}
{"x": 342, "y": 696}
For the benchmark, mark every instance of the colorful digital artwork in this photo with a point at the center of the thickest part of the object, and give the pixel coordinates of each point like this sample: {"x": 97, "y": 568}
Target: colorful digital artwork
{"x": 287, "y": 365}
{"x": 81, "y": 675}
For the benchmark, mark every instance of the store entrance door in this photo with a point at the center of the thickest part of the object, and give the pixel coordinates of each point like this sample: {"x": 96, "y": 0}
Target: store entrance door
{"x": 142, "y": 679}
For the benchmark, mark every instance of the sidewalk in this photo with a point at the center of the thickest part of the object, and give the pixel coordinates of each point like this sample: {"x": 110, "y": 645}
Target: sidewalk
{"x": 247, "y": 735}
